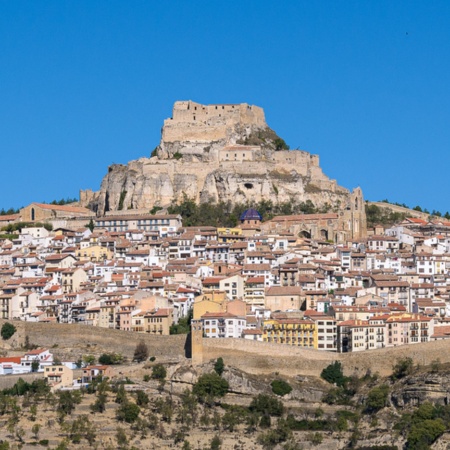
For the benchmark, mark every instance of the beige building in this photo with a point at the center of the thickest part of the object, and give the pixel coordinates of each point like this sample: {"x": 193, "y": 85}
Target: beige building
{"x": 233, "y": 286}
{"x": 283, "y": 298}
{"x": 94, "y": 253}
{"x": 72, "y": 279}
{"x": 58, "y": 376}
{"x": 163, "y": 224}
{"x": 158, "y": 321}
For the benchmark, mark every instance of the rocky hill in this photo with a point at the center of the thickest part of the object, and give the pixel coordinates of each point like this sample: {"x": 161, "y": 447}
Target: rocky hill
{"x": 219, "y": 153}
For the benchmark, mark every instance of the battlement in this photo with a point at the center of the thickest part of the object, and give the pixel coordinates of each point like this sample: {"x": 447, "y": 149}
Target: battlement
{"x": 189, "y": 111}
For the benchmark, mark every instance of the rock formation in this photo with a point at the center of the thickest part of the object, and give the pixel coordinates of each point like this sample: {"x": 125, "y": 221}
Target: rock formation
{"x": 216, "y": 153}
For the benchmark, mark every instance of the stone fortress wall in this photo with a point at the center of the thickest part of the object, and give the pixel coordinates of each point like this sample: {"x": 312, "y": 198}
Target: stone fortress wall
{"x": 192, "y": 121}
{"x": 265, "y": 358}
{"x": 250, "y": 356}
{"x": 198, "y": 156}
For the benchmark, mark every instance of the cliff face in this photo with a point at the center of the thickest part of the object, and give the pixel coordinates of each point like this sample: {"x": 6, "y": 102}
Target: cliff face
{"x": 218, "y": 153}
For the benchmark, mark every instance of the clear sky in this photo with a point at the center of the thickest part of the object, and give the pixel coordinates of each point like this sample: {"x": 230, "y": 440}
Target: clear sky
{"x": 363, "y": 84}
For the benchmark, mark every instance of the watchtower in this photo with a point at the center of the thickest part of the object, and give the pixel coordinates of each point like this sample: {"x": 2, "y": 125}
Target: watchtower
{"x": 197, "y": 342}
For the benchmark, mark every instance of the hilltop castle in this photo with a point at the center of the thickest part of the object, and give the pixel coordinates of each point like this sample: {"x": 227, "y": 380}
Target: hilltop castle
{"x": 226, "y": 152}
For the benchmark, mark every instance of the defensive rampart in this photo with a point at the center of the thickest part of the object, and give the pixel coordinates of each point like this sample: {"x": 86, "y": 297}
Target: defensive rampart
{"x": 75, "y": 340}
{"x": 250, "y": 356}
{"x": 260, "y": 357}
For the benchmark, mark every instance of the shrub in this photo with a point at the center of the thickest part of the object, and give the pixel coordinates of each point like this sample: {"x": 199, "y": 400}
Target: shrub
{"x": 266, "y": 404}
{"x": 210, "y": 386}
{"x": 219, "y": 366}
{"x": 146, "y": 377}
{"x": 7, "y": 331}
{"x": 280, "y": 387}
{"x": 377, "y": 398}
{"x": 424, "y": 433}
{"x": 128, "y": 412}
{"x": 334, "y": 374}
{"x": 110, "y": 358}
{"x": 215, "y": 443}
{"x": 159, "y": 372}
{"x": 140, "y": 352}
{"x": 402, "y": 368}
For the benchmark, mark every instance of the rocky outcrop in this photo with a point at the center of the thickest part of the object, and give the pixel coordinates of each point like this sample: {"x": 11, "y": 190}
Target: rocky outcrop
{"x": 215, "y": 153}
{"x": 426, "y": 387}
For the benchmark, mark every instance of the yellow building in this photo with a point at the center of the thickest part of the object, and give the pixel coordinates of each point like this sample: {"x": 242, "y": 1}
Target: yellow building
{"x": 298, "y": 332}
{"x": 94, "y": 253}
{"x": 214, "y": 301}
{"x": 158, "y": 321}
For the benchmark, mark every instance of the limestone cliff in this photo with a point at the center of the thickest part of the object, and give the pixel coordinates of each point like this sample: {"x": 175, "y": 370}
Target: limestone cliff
{"x": 219, "y": 153}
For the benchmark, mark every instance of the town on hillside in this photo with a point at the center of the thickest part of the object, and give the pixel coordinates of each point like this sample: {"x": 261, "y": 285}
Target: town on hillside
{"x": 285, "y": 281}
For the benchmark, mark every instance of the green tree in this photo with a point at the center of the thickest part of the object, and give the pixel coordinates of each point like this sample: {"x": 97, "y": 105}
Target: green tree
{"x": 424, "y": 433}
{"x": 281, "y": 387}
{"x": 128, "y": 412}
{"x": 7, "y": 331}
{"x": 402, "y": 368}
{"x": 216, "y": 443}
{"x": 210, "y": 386}
{"x": 91, "y": 225}
{"x": 219, "y": 366}
{"x": 266, "y": 404}
{"x": 142, "y": 398}
{"x": 88, "y": 360}
{"x": 334, "y": 374}
{"x": 110, "y": 358}
{"x": 35, "y": 365}
{"x": 159, "y": 372}
{"x": 377, "y": 398}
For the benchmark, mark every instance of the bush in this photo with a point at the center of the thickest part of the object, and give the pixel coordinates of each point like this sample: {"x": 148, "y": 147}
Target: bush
{"x": 219, "y": 366}
{"x": 334, "y": 374}
{"x": 128, "y": 412}
{"x": 377, "y": 398}
{"x": 280, "y": 387}
{"x": 424, "y": 433}
{"x": 146, "y": 377}
{"x": 7, "y": 331}
{"x": 140, "y": 352}
{"x": 266, "y": 404}
{"x": 210, "y": 386}
{"x": 159, "y": 372}
{"x": 402, "y": 368}
{"x": 110, "y": 359}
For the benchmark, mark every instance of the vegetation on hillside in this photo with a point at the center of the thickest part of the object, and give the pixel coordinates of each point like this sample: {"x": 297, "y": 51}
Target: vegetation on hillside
{"x": 418, "y": 208}
{"x": 141, "y": 417}
{"x": 227, "y": 215}
{"x": 266, "y": 138}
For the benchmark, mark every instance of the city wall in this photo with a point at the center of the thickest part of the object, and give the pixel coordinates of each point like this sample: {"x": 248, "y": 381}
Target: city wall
{"x": 260, "y": 357}
{"x": 250, "y": 356}
{"x": 67, "y": 340}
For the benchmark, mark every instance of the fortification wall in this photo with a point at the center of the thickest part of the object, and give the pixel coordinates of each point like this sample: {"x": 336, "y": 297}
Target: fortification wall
{"x": 193, "y": 131}
{"x": 260, "y": 357}
{"x": 203, "y": 123}
{"x": 66, "y": 340}
{"x": 401, "y": 209}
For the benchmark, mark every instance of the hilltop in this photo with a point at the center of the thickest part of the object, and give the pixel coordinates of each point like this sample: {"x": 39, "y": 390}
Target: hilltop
{"x": 221, "y": 153}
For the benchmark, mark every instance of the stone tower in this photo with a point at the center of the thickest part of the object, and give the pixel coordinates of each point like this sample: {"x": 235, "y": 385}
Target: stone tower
{"x": 197, "y": 342}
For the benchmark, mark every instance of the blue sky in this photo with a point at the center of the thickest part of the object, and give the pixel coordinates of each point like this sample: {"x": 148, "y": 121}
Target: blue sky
{"x": 364, "y": 85}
